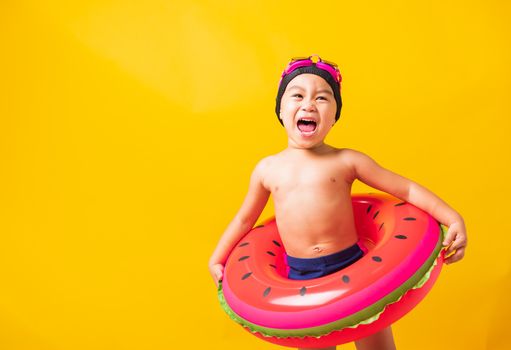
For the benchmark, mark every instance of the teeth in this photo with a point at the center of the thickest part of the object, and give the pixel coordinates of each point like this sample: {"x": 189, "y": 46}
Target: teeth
{"x": 307, "y": 120}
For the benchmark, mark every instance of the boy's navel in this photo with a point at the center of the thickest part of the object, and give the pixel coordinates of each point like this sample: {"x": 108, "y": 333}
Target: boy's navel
{"x": 332, "y": 179}
{"x": 317, "y": 250}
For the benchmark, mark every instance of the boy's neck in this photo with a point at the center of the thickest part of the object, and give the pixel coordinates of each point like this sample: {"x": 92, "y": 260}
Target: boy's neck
{"x": 318, "y": 149}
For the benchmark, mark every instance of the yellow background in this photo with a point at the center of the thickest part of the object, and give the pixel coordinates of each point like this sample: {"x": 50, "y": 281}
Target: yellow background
{"x": 129, "y": 129}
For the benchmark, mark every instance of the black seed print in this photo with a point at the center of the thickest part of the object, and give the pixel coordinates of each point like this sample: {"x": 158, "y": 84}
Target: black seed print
{"x": 303, "y": 291}
{"x": 401, "y": 237}
{"x": 376, "y": 214}
{"x": 259, "y": 226}
{"x": 346, "y": 279}
{"x": 369, "y": 208}
{"x": 243, "y": 244}
{"x": 271, "y": 253}
{"x": 273, "y": 266}
{"x": 410, "y": 219}
{"x": 244, "y": 258}
{"x": 266, "y": 291}
{"x": 381, "y": 226}
{"x": 245, "y": 276}
{"x": 400, "y": 204}
{"x": 276, "y": 243}
{"x": 377, "y": 259}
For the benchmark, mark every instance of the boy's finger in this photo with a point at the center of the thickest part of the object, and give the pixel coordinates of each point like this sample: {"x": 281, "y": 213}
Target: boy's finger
{"x": 457, "y": 245}
{"x": 452, "y": 250}
{"x": 458, "y": 255}
{"x": 459, "y": 242}
{"x": 449, "y": 237}
{"x": 219, "y": 272}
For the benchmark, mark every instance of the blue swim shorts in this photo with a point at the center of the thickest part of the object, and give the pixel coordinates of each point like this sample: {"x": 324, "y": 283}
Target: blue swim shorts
{"x": 308, "y": 268}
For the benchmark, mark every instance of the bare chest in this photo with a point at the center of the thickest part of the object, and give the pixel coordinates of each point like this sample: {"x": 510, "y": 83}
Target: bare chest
{"x": 312, "y": 176}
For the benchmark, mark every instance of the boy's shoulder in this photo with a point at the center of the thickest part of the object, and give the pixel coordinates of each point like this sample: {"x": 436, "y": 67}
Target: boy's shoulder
{"x": 262, "y": 170}
{"x": 348, "y": 152}
{"x": 266, "y": 162}
{"x": 352, "y": 157}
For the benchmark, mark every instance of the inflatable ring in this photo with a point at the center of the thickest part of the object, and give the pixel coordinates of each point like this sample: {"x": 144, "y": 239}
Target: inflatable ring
{"x": 402, "y": 259}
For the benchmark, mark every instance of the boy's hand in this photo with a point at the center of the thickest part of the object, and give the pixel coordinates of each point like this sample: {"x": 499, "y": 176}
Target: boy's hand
{"x": 217, "y": 272}
{"x": 456, "y": 241}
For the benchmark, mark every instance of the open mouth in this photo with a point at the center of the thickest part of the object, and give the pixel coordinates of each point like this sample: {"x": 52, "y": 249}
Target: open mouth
{"x": 306, "y": 126}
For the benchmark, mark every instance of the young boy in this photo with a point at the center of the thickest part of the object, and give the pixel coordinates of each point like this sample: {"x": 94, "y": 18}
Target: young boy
{"x": 311, "y": 186}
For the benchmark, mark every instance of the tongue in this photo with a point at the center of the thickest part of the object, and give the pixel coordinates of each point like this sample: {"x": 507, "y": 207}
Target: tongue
{"x": 306, "y": 127}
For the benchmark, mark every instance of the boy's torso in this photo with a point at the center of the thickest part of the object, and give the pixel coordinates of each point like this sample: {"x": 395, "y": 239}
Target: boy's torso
{"x": 312, "y": 198}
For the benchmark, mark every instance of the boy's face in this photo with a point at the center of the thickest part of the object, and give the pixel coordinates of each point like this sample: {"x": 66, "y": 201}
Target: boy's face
{"x": 307, "y": 110}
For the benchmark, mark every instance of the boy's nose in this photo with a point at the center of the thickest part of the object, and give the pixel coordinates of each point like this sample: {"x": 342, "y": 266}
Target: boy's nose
{"x": 308, "y": 106}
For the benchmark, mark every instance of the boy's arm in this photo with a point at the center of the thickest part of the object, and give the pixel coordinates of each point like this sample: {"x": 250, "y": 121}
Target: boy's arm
{"x": 244, "y": 220}
{"x": 368, "y": 171}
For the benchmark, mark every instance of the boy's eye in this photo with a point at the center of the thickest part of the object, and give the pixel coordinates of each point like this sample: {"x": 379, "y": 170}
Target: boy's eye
{"x": 322, "y": 97}
{"x": 297, "y": 95}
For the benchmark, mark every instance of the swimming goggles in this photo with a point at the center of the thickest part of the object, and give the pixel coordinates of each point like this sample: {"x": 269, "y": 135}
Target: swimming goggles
{"x": 298, "y": 62}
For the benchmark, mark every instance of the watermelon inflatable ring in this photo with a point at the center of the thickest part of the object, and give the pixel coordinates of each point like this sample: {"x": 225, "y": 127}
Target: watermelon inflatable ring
{"x": 402, "y": 259}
